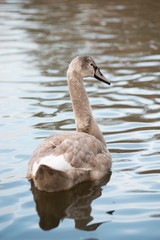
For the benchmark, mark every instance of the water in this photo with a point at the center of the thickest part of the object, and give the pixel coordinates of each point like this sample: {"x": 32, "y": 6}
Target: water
{"x": 37, "y": 41}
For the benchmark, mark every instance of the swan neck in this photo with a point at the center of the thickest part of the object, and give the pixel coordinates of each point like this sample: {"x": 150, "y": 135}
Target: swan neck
{"x": 84, "y": 119}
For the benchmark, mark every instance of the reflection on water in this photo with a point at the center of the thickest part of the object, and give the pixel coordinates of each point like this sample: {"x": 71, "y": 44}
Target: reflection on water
{"x": 38, "y": 39}
{"x": 73, "y": 204}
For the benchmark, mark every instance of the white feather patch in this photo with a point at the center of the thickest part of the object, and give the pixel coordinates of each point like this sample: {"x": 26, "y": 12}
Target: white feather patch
{"x": 55, "y": 162}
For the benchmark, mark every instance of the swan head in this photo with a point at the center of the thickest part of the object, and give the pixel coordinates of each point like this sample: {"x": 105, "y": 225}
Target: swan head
{"x": 85, "y": 66}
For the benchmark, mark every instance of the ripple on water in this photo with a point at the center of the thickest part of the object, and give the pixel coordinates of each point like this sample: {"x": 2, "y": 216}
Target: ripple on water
{"x": 35, "y": 49}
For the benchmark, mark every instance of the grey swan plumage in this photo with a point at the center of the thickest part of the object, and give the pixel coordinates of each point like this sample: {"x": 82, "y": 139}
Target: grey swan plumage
{"x": 66, "y": 159}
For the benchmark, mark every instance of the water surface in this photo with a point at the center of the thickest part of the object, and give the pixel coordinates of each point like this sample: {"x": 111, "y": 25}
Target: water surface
{"x": 38, "y": 39}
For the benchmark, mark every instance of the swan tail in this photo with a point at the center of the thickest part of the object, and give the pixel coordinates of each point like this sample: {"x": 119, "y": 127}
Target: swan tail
{"x": 51, "y": 180}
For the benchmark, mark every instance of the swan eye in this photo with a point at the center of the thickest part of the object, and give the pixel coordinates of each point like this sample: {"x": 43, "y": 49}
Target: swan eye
{"x": 95, "y": 67}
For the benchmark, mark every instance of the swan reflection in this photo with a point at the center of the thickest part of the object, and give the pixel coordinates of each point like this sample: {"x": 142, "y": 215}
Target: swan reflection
{"x": 73, "y": 204}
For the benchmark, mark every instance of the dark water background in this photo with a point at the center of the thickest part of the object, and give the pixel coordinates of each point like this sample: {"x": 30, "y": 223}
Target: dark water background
{"x": 37, "y": 41}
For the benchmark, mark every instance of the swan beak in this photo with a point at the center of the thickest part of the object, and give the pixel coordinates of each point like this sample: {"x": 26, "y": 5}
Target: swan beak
{"x": 98, "y": 75}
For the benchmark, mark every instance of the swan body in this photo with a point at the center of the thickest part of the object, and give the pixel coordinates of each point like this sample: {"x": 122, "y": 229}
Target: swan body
{"x": 66, "y": 159}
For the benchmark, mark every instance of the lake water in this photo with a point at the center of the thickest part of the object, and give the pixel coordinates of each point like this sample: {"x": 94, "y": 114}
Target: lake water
{"x": 38, "y": 39}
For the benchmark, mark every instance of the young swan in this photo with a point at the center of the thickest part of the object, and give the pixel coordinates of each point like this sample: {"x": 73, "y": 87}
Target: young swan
{"x": 66, "y": 159}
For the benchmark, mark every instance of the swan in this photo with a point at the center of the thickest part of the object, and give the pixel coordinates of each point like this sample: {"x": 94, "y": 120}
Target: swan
{"x": 65, "y": 159}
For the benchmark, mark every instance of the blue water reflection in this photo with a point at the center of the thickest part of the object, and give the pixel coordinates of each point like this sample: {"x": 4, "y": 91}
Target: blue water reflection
{"x": 37, "y": 41}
